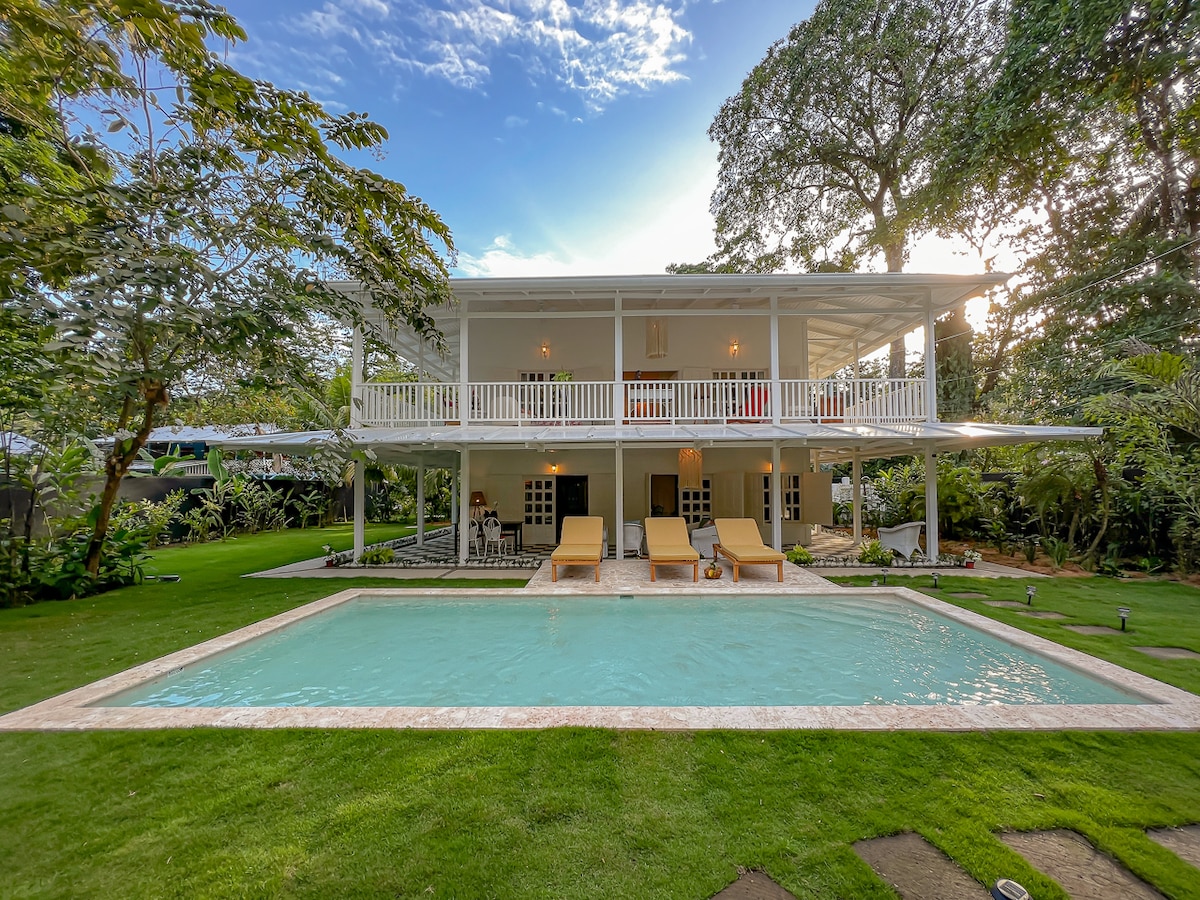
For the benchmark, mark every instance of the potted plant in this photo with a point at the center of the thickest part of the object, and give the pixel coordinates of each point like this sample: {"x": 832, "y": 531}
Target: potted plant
{"x": 330, "y": 556}
{"x": 970, "y": 557}
{"x": 713, "y": 569}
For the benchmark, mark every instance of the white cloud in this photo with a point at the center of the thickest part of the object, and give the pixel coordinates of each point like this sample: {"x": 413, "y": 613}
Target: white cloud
{"x": 376, "y": 8}
{"x": 597, "y": 49}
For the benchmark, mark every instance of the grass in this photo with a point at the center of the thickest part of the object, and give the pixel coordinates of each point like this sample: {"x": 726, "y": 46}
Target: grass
{"x": 1162, "y": 614}
{"x": 557, "y": 813}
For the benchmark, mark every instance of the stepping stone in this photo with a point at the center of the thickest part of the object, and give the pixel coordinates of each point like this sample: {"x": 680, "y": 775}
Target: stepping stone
{"x": 1083, "y": 872}
{"x": 1043, "y": 614}
{"x": 1092, "y": 629}
{"x": 1004, "y": 604}
{"x": 1168, "y": 652}
{"x": 753, "y": 886}
{"x": 917, "y": 870}
{"x": 1183, "y": 842}
{"x": 969, "y": 595}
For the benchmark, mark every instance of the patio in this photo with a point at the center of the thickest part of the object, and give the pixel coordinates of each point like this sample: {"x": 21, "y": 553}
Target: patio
{"x": 438, "y": 558}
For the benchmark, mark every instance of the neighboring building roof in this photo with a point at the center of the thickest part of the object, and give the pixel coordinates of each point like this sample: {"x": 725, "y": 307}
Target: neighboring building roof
{"x": 440, "y": 445}
{"x": 18, "y": 444}
{"x": 208, "y": 434}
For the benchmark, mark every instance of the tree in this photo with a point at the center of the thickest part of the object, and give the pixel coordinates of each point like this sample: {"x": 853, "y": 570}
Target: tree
{"x": 216, "y": 225}
{"x": 826, "y": 149}
{"x": 1153, "y": 410}
{"x": 1092, "y": 122}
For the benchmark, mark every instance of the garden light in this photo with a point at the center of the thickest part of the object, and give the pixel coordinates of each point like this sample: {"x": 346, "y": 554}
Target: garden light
{"x": 1030, "y": 590}
{"x": 885, "y": 571}
{"x": 935, "y": 581}
{"x": 1007, "y": 889}
{"x": 1123, "y": 612}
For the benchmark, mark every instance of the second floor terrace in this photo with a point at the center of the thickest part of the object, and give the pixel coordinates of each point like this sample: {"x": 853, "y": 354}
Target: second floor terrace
{"x": 668, "y": 349}
{"x": 644, "y": 402}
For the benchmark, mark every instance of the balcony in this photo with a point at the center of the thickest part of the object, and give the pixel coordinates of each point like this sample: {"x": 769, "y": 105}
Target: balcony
{"x": 861, "y": 400}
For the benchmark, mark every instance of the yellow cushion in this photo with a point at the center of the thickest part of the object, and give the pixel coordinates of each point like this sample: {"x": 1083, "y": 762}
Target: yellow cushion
{"x": 738, "y": 533}
{"x": 577, "y": 551}
{"x": 754, "y": 554}
{"x": 674, "y": 551}
{"x": 582, "y": 530}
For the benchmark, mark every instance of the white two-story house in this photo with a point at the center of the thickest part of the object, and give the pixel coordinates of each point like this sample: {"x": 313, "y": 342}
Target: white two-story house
{"x": 690, "y": 395}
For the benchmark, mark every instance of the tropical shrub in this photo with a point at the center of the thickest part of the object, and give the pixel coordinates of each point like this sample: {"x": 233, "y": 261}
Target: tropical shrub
{"x": 377, "y": 556}
{"x": 873, "y": 553}
{"x": 800, "y": 556}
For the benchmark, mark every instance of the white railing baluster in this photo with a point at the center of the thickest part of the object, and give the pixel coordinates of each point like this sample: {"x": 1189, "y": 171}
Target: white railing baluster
{"x": 862, "y": 400}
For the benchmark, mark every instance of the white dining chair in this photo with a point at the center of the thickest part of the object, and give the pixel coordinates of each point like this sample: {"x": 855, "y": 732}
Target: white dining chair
{"x": 491, "y": 535}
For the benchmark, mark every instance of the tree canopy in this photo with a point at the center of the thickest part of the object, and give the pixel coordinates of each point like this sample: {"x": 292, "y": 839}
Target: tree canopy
{"x": 211, "y": 219}
{"x": 826, "y": 149}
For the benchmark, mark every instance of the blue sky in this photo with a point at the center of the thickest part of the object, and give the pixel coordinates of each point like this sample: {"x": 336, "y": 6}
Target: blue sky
{"x": 553, "y": 137}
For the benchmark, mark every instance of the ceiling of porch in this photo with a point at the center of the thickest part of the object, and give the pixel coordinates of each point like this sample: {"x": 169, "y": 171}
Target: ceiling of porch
{"x": 841, "y": 308}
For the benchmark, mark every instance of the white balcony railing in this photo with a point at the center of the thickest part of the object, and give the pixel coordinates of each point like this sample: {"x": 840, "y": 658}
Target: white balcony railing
{"x": 862, "y": 400}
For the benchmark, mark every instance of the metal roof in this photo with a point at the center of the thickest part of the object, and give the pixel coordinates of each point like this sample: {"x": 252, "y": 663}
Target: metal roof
{"x": 440, "y": 445}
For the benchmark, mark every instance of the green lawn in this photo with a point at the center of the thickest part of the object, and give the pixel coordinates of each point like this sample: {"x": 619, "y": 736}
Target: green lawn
{"x": 560, "y": 813}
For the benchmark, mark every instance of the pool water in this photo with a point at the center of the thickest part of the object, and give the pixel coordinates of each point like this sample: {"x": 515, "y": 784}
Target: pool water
{"x": 604, "y": 651}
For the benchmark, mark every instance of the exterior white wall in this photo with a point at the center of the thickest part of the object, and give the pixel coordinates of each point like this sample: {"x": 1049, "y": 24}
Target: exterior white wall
{"x": 697, "y": 345}
{"x": 735, "y": 472}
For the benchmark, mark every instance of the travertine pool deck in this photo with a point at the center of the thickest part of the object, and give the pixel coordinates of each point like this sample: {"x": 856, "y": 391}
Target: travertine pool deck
{"x": 1167, "y": 707}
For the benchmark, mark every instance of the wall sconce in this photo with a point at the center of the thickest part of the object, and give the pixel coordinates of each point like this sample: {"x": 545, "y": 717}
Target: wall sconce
{"x": 734, "y": 347}
{"x": 545, "y": 350}
{"x": 554, "y": 468}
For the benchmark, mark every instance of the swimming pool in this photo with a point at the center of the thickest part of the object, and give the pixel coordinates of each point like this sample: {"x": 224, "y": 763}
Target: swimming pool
{"x": 623, "y": 651}
{"x": 1138, "y": 702}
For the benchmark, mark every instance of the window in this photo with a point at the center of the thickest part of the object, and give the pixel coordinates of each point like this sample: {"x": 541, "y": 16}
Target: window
{"x": 539, "y": 501}
{"x": 695, "y": 504}
{"x": 740, "y": 375}
{"x": 790, "y": 485}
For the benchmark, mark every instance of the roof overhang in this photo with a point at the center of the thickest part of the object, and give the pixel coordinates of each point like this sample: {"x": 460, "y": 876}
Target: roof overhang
{"x": 440, "y": 446}
{"x": 841, "y": 309}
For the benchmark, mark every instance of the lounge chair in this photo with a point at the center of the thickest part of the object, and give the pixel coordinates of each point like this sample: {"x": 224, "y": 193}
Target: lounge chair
{"x": 738, "y": 541}
{"x": 667, "y": 545}
{"x": 581, "y": 544}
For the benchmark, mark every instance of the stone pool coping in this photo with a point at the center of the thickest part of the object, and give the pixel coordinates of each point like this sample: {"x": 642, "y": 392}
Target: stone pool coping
{"x": 1168, "y": 707}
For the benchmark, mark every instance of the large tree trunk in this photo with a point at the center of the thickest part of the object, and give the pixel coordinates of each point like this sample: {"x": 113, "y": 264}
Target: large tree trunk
{"x": 116, "y": 465}
{"x": 894, "y": 254}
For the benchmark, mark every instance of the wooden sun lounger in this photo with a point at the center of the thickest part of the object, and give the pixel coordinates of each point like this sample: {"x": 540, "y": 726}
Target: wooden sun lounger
{"x": 667, "y": 544}
{"x": 581, "y": 544}
{"x": 738, "y": 541}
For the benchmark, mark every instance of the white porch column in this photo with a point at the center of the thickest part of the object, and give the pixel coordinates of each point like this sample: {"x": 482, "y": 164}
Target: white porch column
{"x": 421, "y": 503}
{"x": 464, "y": 397}
{"x": 453, "y": 496}
{"x": 856, "y": 495}
{"x": 464, "y": 501}
{"x": 776, "y": 393}
{"x": 776, "y": 497}
{"x": 931, "y": 414}
{"x": 618, "y": 372}
{"x": 619, "y": 505}
{"x": 931, "y": 505}
{"x": 360, "y": 505}
{"x": 356, "y": 377}
{"x": 807, "y": 394}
